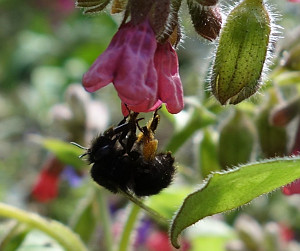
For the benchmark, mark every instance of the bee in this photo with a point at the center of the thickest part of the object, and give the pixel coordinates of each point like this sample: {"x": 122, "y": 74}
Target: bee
{"x": 130, "y": 163}
{"x": 152, "y": 172}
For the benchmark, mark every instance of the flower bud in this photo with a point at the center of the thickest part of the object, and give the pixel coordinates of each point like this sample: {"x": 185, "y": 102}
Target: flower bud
{"x": 175, "y": 36}
{"x": 283, "y": 114}
{"x": 118, "y": 6}
{"x": 159, "y": 17}
{"x": 92, "y": 6}
{"x": 236, "y": 142}
{"x": 173, "y": 31}
{"x": 293, "y": 59}
{"x": 77, "y": 99}
{"x": 207, "y": 2}
{"x": 139, "y": 10}
{"x": 208, "y": 156}
{"x": 207, "y": 21}
{"x": 241, "y": 52}
{"x": 275, "y": 236}
{"x": 250, "y": 232}
{"x": 272, "y": 139}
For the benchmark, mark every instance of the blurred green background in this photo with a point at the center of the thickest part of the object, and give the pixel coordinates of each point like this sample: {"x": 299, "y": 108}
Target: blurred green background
{"x": 46, "y": 46}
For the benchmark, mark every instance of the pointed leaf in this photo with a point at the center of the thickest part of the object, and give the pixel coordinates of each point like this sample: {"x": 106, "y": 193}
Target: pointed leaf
{"x": 208, "y": 156}
{"x": 15, "y": 233}
{"x": 65, "y": 152}
{"x": 168, "y": 200}
{"x": 85, "y": 212}
{"x": 199, "y": 118}
{"x": 56, "y": 230}
{"x": 229, "y": 190}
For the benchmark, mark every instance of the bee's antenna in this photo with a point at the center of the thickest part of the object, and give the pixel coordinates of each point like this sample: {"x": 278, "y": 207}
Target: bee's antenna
{"x": 81, "y": 147}
{"x": 82, "y": 155}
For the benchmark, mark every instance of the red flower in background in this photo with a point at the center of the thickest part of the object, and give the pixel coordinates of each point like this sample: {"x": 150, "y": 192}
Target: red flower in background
{"x": 294, "y": 187}
{"x": 159, "y": 241}
{"x": 46, "y": 186}
{"x": 144, "y": 73}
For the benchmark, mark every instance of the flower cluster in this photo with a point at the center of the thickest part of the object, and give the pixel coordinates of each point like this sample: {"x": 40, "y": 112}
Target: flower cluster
{"x": 141, "y": 60}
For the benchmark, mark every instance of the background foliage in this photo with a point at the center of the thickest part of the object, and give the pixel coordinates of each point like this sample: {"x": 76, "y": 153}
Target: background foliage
{"x": 45, "y": 47}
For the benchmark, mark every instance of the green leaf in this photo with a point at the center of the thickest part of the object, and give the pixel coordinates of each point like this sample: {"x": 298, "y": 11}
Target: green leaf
{"x": 62, "y": 234}
{"x": 208, "y": 156}
{"x": 168, "y": 200}
{"x": 230, "y": 190}
{"x": 85, "y": 212}
{"x": 199, "y": 118}
{"x": 14, "y": 236}
{"x": 236, "y": 140}
{"x": 65, "y": 152}
{"x": 38, "y": 241}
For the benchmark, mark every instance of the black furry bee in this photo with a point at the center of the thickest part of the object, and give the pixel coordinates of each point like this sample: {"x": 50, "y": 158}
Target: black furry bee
{"x": 124, "y": 161}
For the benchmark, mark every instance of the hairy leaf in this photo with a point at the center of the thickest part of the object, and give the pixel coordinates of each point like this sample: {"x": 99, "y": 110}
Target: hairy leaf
{"x": 230, "y": 190}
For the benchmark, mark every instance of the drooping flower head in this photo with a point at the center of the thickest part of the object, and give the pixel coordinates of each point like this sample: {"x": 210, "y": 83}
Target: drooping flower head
{"x": 169, "y": 82}
{"x": 128, "y": 63}
{"x": 144, "y": 72}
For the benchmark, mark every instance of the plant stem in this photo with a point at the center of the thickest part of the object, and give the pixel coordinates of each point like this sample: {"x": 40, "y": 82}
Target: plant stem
{"x": 152, "y": 213}
{"x": 104, "y": 218}
{"x": 61, "y": 233}
{"x": 129, "y": 225}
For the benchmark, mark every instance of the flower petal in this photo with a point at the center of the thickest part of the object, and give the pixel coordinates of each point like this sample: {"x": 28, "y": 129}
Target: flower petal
{"x": 153, "y": 108}
{"x": 169, "y": 83}
{"x": 46, "y": 186}
{"x": 293, "y": 188}
{"x": 128, "y": 62}
{"x": 102, "y": 71}
{"x": 136, "y": 78}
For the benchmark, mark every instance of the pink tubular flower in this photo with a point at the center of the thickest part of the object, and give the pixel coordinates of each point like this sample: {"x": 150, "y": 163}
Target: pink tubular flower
{"x": 144, "y": 73}
{"x": 169, "y": 83}
{"x": 46, "y": 186}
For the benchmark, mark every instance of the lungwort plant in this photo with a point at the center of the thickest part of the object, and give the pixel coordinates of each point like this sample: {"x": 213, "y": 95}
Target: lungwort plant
{"x": 198, "y": 155}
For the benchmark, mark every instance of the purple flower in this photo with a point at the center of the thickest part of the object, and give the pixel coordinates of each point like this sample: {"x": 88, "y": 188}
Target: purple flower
{"x": 71, "y": 176}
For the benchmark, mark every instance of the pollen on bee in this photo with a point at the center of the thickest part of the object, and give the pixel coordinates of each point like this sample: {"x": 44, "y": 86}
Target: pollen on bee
{"x": 147, "y": 140}
{"x": 149, "y": 149}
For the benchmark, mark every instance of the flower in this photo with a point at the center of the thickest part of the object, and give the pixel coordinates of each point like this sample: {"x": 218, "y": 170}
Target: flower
{"x": 144, "y": 73}
{"x": 294, "y": 187}
{"x": 46, "y": 187}
{"x": 69, "y": 174}
{"x": 169, "y": 83}
{"x": 159, "y": 241}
